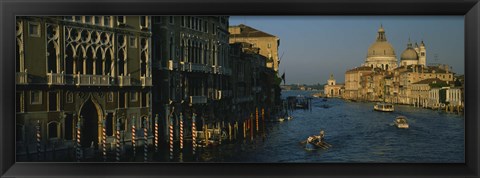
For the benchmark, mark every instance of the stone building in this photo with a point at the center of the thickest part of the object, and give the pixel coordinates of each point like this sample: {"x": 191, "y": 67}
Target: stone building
{"x": 267, "y": 43}
{"x": 93, "y": 71}
{"x": 332, "y": 89}
{"x": 381, "y": 53}
{"x": 191, "y": 72}
{"x": 379, "y": 78}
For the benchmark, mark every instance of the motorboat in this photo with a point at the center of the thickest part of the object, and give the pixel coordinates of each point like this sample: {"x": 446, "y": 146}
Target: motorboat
{"x": 384, "y": 107}
{"x": 401, "y": 122}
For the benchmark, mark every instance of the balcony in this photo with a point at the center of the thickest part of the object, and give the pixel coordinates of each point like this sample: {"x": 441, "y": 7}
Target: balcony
{"x": 21, "y": 78}
{"x": 198, "y": 99}
{"x": 218, "y": 95}
{"x": 146, "y": 81}
{"x": 193, "y": 67}
{"x": 124, "y": 80}
{"x": 92, "y": 80}
{"x": 244, "y": 99}
{"x": 172, "y": 65}
{"x": 56, "y": 79}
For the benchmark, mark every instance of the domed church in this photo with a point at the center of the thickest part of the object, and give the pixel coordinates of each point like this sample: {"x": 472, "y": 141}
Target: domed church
{"x": 413, "y": 56}
{"x": 381, "y": 53}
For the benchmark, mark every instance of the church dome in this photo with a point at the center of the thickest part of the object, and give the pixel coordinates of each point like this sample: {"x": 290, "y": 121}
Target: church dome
{"x": 409, "y": 53}
{"x": 381, "y": 47}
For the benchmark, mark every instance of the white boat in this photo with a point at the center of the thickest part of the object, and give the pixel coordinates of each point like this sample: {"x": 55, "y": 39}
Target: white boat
{"x": 281, "y": 119}
{"x": 385, "y": 107}
{"x": 401, "y": 122}
{"x": 289, "y": 117}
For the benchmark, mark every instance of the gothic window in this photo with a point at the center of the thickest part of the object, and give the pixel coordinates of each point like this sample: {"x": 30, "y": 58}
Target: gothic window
{"x": 121, "y": 19}
{"x": 423, "y": 54}
{"x": 36, "y": 97}
{"x": 373, "y": 52}
{"x": 34, "y": 29}
{"x": 98, "y": 20}
{"x": 189, "y": 21}
{"x": 205, "y": 28}
{"x": 78, "y": 18}
{"x": 52, "y": 48}
{"x": 384, "y": 52}
{"x": 107, "y": 21}
{"x": 144, "y": 99}
{"x": 182, "y": 23}
{"x": 98, "y": 63}
{"x": 88, "y": 19}
{"x": 170, "y": 19}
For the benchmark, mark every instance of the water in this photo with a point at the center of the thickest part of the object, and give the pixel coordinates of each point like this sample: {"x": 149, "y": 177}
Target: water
{"x": 358, "y": 134}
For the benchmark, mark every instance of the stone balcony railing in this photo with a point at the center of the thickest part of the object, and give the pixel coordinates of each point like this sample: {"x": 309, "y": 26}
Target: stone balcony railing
{"x": 56, "y": 79}
{"x": 92, "y": 80}
{"x": 21, "y": 78}
{"x": 146, "y": 81}
{"x": 124, "y": 80}
{"x": 172, "y": 65}
{"x": 198, "y": 99}
{"x": 194, "y": 67}
{"x": 244, "y": 99}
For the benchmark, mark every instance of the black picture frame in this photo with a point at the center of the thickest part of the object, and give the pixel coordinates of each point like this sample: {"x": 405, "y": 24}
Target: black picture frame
{"x": 470, "y": 9}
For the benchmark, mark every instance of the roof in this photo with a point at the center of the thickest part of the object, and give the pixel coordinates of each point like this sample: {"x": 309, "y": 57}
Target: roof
{"x": 361, "y": 68}
{"x": 247, "y": 31}
{"x": 430, "y": 81}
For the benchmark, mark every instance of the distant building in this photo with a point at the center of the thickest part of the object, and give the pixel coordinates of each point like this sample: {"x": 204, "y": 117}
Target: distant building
{"x": 379, "y": 78}
{"x": 267, "y": 43}
{"x": 332, "y": 89}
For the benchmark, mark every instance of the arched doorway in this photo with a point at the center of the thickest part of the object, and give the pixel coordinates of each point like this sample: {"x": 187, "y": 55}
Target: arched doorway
{"x": 90, "y": 127}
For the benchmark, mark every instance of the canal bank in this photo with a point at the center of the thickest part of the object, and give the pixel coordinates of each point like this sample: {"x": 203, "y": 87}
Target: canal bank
{"x": 359, "y": 134}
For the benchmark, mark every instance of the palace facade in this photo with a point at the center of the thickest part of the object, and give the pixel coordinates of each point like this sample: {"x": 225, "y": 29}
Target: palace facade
{"x": 78, "y": 76}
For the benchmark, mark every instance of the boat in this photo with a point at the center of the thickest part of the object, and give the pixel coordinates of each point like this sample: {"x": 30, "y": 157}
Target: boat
{"x": 401, "y": 122}
{"x": 316, "y": 141}
{"x": 281, "y": 119}
{"x": 385, "y": 107}
{"x": 289, "y": 117}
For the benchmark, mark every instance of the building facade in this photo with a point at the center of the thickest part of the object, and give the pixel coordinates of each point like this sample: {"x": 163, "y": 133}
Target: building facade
{"x": 332, "y": 89}
{"x": 267, "y": 43}
{"x": 87, "y": 73}
{"x": 379, "y": 78}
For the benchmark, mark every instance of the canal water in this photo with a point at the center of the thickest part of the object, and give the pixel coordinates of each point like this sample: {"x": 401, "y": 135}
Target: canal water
{"x": 358, "y": 134}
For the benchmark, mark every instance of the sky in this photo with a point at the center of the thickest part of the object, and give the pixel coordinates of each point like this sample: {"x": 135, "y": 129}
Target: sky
{"x": 313, "y": 47}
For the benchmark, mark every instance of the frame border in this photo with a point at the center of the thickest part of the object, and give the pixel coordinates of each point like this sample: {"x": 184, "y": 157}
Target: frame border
{"x": 470, "y": 9}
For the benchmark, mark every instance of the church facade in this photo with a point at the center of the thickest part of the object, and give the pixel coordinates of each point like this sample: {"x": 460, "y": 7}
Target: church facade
{"x": 383, "y": 78}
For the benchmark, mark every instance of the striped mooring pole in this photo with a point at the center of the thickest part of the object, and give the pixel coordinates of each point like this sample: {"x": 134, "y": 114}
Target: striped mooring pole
{"x": 104, "y": 140}
{"x": 256, "y": 118}
{"x": 156, "y": 132}
{"x": 181, "y": 131}
{"x": 39, "y": 139}
{"x": 78, "y": 139}
{"x": 145, "y": 143}
{"x": 133, "y": 136}
{"x": 117, "y": 141}
{"x": 194, "y": 134}
{"x": 171, "y": 136}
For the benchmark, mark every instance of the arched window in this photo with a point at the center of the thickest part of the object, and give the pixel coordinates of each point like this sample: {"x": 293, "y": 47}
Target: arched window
{"x": 53, "y": 130}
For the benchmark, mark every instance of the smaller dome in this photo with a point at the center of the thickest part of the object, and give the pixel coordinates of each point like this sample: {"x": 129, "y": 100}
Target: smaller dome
{"x": 409, "y": 54}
